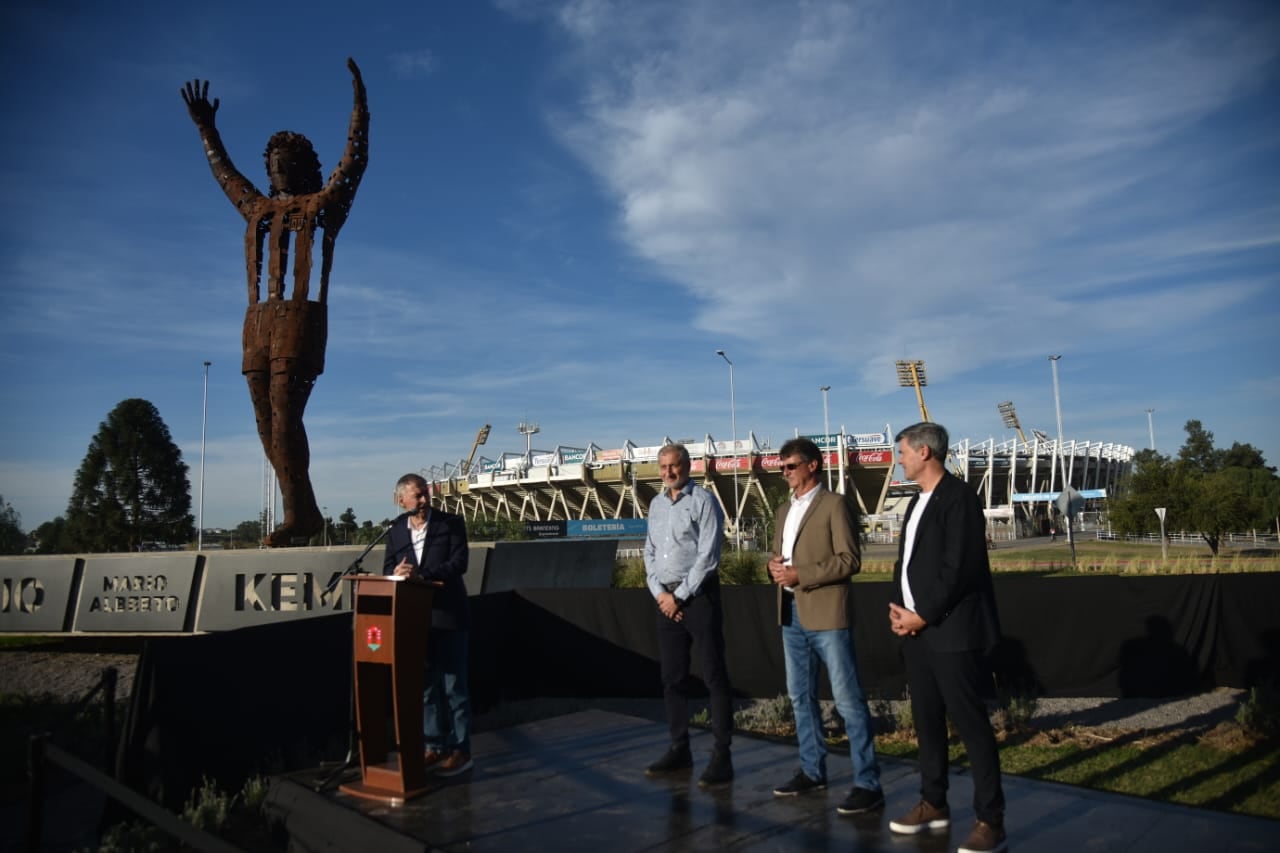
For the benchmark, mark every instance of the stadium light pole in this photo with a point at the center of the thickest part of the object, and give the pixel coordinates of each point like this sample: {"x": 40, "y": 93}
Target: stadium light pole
{"x": 204, "y": 422}
{"x": 1010, "y": 417}
{"x": 1151, "y": 429}
{"x": 826, "y": 430}
{"x": 911, "y": 375}
{"x": 733, "y": 420}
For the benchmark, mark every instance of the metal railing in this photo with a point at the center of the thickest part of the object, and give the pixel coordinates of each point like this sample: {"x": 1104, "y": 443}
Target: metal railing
{"x": 1182, "y": 537}
{"x": 41, "y": 753}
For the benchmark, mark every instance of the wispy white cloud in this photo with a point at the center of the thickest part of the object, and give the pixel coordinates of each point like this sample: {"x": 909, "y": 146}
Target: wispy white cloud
{"x": 819, "y": 165}
{"x": 415, "y": 63}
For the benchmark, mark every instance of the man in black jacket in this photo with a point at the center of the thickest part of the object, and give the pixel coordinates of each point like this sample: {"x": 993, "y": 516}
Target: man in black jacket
{"x": 943, "y": 606}
{"x": 431, "y": 544}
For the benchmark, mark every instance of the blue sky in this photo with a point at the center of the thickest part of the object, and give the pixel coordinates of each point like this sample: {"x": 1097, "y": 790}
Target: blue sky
{"x": 571, "y": 205}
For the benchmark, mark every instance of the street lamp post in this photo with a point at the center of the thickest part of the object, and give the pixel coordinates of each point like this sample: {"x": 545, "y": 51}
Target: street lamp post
{"x": 733, "y": 419}
{"x": 204, "y": 421}
{"x": 1062, "y": 464}
{"x": 325, "y": 509}
{"x": 1151, "y": 429}
{"x": 528, "y": 430}
{"x": 826, "y": 430}
{"x": 1057, "y": 405}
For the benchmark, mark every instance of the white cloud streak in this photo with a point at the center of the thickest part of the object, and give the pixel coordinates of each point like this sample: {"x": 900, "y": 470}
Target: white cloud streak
{"x": 936, "y": 181}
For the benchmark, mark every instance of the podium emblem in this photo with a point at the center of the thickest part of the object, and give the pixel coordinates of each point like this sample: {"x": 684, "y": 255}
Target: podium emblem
{"x": 373, "y": 638}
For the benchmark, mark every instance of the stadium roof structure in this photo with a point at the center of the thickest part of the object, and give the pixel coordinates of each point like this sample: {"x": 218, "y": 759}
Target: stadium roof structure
{"x": 609, "y": 483}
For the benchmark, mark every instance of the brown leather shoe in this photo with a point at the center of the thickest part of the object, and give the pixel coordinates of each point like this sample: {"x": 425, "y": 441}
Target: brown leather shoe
{"x": 431, "y": 758}
{"x": 923, "y": 817}
{"x": 456, "y": 762}
{"x": 985, "y": 838}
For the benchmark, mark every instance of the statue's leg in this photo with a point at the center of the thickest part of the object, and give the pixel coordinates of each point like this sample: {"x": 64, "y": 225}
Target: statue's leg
{"x": 260, "y": 393}
{"x": 291, "y": 455}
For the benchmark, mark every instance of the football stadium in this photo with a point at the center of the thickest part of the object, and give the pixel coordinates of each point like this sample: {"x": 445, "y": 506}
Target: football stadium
{"x": 1019, "y": 481}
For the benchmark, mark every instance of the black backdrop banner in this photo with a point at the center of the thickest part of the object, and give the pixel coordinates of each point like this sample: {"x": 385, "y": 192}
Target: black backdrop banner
{"x": 259, "y": 699}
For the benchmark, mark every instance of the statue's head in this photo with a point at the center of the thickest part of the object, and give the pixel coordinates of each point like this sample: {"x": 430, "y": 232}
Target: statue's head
{"x": 292, "y": 165}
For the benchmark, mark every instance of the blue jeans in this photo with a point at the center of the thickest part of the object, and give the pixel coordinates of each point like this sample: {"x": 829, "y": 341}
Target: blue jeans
{"x": 804, "y": 649}
{"x": 446, "y": 700}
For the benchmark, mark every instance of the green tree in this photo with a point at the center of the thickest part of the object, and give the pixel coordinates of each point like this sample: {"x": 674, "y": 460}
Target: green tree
{"x": 132, "y": 486}
{"x": 366, "y": 533}
{"x": 1198, "y": 453}
{"x": 347, "y": 524}
{"x": 12, "y": 539}
{"x": 51, "y": 537}
{"x": 1206, "y": 489}
{"x": 1148, "y": 485}
{"x": 248, "y": 534}
{"x": 1216, "y": 505}
{"x": 1245, "y": 456}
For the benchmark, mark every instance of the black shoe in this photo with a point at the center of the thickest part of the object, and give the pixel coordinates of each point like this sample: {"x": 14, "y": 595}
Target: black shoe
{"x": 719, "y": 771}
{"x": 799, "y": 784}
{"x": 861, "y": 801}
{"x": 676, "y": 758}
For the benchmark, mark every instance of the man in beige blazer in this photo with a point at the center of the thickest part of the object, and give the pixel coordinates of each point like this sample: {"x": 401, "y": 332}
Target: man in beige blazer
{"x": 816, "y": 552}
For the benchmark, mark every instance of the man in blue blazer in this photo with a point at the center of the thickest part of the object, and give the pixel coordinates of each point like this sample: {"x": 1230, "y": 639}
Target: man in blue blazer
{"x": 943, "y": 607}
{"x": 431, "y": 544}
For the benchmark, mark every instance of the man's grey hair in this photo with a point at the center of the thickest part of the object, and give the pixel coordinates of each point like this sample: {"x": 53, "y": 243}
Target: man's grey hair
{"x": 411, "y": 480}
{"x": 668, "y": 449}
{"x": 926, "y": 434}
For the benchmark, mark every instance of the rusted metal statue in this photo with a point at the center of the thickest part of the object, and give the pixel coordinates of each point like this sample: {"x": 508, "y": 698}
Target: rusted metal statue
{"x": 284, "y": 337}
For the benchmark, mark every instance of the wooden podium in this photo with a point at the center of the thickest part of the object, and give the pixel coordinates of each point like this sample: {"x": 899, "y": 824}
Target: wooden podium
{"x": 392, "y": 623}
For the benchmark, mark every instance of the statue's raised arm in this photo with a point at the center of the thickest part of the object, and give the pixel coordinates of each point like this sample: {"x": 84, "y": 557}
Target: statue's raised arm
{"x": 346, "y": 176}
{"x": 237, "y": 187}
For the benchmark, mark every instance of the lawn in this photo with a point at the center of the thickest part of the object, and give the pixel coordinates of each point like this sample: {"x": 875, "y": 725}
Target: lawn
{"x": 1223, "y": 769}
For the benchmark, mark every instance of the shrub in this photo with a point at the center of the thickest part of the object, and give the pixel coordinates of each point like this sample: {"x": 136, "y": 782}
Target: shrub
{"x": 883, "y": 716}
{"x": 1259, "y": 715}
{"x": 254, "y": 793}
{"x": 628, "y": 573}
{"x": 743, "y": 567}
{"x": 134, "y": 837}
{"x": 768, "y": 715}
{"x": 1015, "y": 712}
{"x": 207, "y": 808}
{"x": 903, "y": 719}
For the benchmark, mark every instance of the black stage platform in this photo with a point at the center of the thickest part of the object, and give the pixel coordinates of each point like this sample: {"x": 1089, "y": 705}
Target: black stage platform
{"x": 576, "y": 783}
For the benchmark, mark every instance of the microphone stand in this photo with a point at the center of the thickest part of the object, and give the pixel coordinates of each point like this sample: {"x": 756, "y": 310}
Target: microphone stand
{"x": 352, "y": 731}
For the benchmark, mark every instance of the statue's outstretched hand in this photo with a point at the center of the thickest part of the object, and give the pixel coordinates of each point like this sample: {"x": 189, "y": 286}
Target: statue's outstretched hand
{"x": 356, "y": 80}
{"x": 196, "y": 96}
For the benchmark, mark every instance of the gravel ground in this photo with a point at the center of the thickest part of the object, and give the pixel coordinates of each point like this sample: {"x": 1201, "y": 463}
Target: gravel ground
{"x": 71, "y": 675}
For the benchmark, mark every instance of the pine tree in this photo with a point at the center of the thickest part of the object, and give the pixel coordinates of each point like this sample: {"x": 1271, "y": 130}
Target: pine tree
{"x": 132, "y": 486}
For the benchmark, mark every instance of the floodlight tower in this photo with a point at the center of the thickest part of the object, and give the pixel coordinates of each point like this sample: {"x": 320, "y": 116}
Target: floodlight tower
{"x": 911, "y": 375}
{"x": 1011, "y": 418}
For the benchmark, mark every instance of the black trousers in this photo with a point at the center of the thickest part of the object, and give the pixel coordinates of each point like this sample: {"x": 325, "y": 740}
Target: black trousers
{"x": 954, "y": 684}
{"x": 701, "y": 626}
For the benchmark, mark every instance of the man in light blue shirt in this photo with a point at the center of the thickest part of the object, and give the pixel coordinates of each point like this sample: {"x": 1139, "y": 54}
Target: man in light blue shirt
{"x": 681, "y": 561}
